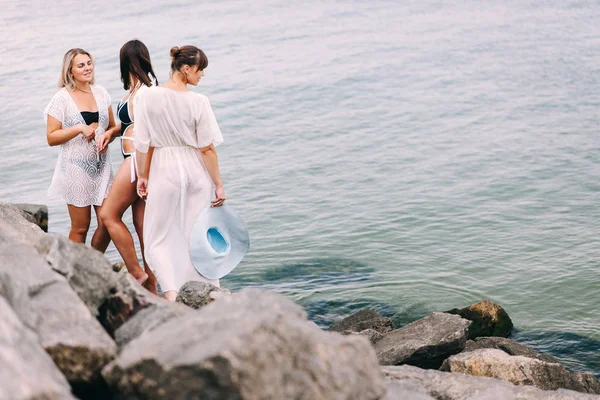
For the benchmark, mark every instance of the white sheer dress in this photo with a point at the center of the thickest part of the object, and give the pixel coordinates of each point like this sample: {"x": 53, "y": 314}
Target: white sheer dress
{"x": 177, "y": 125}
{"x": 82, "y": 176}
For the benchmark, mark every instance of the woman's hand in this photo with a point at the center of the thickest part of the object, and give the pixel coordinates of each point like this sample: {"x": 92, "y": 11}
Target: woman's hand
{"x": 142, "y": 187}
{"x": 88, "y": 132}
{"x": 102, "y": 142}
{"x": 220, "y": 193}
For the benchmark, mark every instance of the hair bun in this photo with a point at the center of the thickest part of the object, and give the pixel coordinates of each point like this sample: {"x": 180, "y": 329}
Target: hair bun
{"x": 175, "y": 51}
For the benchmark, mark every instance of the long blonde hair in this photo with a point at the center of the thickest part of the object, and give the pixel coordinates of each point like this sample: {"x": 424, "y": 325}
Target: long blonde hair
{"x": 66, "y": 77}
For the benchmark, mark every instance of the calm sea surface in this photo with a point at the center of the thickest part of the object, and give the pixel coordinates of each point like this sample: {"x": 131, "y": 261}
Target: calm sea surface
{"x": 412, "y": 157}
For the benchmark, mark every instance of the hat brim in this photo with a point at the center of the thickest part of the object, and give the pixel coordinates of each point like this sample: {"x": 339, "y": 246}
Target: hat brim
{"x": 226, "y": 230}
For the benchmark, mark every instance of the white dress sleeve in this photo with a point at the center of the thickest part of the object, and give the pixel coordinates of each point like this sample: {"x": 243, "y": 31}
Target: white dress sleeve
{"x": 141, "y": 133}
{"x": 207, "y": 129}
{"x": 56, "y": 108}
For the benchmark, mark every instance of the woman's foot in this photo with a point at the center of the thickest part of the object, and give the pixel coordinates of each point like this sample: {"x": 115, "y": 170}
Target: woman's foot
{"x": 142, "y": 278}
{"x": 171, "y": 295}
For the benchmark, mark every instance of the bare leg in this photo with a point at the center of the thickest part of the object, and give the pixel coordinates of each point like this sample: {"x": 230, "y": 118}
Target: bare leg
{"x": 80, "y": 222}
{"x": 121, "y": 196}
{"x": 137, "y": 209}
{"x": 101, "y": 238}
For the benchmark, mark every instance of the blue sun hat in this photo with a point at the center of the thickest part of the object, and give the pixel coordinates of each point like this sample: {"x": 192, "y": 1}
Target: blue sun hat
{"x": 218, "y": 242}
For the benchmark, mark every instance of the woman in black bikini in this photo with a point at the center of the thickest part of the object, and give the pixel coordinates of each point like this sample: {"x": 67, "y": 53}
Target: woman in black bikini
{"x": 136, "y": 70}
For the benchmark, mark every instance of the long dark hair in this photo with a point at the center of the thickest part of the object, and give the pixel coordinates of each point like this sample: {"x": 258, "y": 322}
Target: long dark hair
{"x": 135, "y": 60}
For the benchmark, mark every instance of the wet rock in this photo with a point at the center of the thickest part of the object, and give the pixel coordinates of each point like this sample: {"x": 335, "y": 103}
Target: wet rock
{"x": 196, "y": 294}
{"x": 589, "y": 382}
{"x": 46, "y": 304}
{"x": 508, "y": 346}
{"x": 518, "y": 370}
{"x": 450, "y": 386}
{"x": 38, "y": 213}
{"x": 250, "y": 345}
{"x": 489, "y": 319}
{"x": 26, "y": 370}
{"x": 366, "y": 318}
{"x": 111, "y": 296}
{"x": 424, "y": 343}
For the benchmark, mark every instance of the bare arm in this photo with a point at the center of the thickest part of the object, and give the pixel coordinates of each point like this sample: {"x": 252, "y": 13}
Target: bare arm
{"x": 211, "y": 162}
{"x": 56, "y": 135}
{"x": 108, "y": 135}
{"x": 143, "y": 169}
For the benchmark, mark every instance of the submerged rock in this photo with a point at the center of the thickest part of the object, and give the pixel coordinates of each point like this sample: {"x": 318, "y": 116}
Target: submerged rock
{"x": 489, "y": 319}
{"x": 251, "y": 345}
{"x": 366, "y": 318}
{"x": 26, "y": 370}
{"x": 518, "y": 370}
{"x": 424, "y": 343}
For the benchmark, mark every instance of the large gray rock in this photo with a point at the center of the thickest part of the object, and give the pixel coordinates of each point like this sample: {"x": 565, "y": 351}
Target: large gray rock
{"x": 197, "y": 294}
{"x": 18, "y": 225}
{"x": 370, "y": 334}
{"x": 38, "y": 213}
{"x": 450, "y": 386}
{"x": 251, "y": 345}
{"x": 366, "y": 318}
{"x": 45, "y": 303}
{"x": 111, "y": 296}
{"x": 489, "y": 319}
{"x": 518, "y": 370}
{"x": 508, "y": 346}
{"x": 26, "y": 370}
{"x": 149, "y": 319}
{"x": 589, "y": 382}
{"x": 424, "y": 343}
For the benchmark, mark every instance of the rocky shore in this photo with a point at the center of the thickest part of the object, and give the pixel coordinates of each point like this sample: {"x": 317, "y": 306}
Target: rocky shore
{"x": 73, "y": 327}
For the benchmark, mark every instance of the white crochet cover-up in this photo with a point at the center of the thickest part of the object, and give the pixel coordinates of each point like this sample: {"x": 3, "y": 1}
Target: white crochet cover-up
{"x": 82, "y": 176}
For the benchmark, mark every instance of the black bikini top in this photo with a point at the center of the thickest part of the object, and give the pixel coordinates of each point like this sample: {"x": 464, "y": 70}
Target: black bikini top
{"x": 90, "y": 117}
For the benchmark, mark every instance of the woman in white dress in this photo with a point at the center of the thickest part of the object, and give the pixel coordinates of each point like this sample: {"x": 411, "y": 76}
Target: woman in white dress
{"x": 78, "y": 113}
{"x": 175, "y": 137}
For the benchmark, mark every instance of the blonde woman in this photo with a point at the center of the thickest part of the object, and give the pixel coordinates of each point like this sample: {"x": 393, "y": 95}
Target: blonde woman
{"x": 175, "y": 137}
{"x": 78, "y": 116}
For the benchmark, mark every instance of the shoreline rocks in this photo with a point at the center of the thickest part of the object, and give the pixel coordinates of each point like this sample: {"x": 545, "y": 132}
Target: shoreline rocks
{"x": 63, "y": 303}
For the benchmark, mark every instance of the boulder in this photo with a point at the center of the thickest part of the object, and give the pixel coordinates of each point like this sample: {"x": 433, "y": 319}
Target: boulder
{"x": 46, "y": 304}
{"x": 450, "y": 386}
{"x": 250, "y": 345}
{"x": 489, "y": 319}
{"x": 370, "y": 334}
{"x": 149, "y": 319}
{"x": 518, "y": 370}
{"x": 424, "y": 343}
{"x": 589, "y": 382}
{"x": 366, "y": 318}
{"x": 26, "y": 370}
{"x": 111, "y": 296}
{"x": 19, "y": 225}
{"x": 38, "y": 213}
{"x": 197, "y": 294}
{"x": 508, "y": 346}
